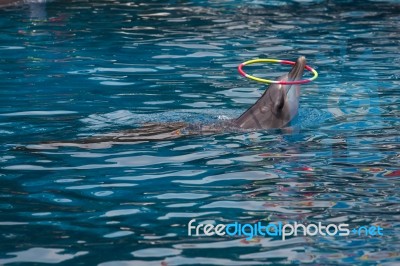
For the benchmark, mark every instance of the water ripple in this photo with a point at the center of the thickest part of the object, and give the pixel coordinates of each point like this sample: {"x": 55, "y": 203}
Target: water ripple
{"x": 72, "y": 71}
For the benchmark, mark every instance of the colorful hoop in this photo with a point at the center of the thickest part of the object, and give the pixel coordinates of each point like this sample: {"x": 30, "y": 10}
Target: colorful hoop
{"x": 285, "y": 62}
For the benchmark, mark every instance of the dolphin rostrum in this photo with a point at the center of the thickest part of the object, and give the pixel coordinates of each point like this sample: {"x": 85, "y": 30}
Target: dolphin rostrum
{"x": 278, "y": 105}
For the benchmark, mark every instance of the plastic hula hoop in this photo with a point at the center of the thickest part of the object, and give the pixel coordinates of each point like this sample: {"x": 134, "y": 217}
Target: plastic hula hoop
{"x": 285, "y": 62}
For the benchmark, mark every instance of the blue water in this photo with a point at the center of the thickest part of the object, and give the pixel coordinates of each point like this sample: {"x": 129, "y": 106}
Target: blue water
{"x": 73, "y": 69}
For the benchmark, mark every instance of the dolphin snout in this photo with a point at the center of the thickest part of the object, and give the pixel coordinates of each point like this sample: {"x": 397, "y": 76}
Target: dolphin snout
{"x": 298, "y": 69}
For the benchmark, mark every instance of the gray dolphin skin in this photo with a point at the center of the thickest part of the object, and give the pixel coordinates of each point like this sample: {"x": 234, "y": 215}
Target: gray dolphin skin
{"x": 278, "y": 105}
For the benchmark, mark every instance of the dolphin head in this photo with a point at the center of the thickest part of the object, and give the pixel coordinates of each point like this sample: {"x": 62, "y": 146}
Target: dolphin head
{"x": 278, "y": 105}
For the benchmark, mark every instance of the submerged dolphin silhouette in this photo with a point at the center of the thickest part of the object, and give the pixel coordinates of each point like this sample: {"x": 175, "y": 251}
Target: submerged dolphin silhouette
{"x": 275, "y": 109}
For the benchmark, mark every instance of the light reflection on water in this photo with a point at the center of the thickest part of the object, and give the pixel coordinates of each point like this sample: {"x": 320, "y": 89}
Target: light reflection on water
{"x": 85, "y": 68}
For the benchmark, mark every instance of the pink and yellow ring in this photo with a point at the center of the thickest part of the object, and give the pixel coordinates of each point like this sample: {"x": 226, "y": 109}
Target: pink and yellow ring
{"x": 284, "y": 62}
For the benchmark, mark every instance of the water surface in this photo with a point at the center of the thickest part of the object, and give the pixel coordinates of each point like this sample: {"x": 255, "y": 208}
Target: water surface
{"x": 72, "y": 69}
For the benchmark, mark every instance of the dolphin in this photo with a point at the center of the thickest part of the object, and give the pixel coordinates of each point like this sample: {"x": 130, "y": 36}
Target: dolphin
{"x": 276, "y": 108}
{"x": 278, "y": 105}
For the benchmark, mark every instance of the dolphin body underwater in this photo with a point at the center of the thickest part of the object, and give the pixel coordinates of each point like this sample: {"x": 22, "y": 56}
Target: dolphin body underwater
{"x": 276, "y": 108}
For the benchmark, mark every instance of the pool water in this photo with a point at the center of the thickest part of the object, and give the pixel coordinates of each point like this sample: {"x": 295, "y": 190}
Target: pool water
{"x": 73, "y": 69}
